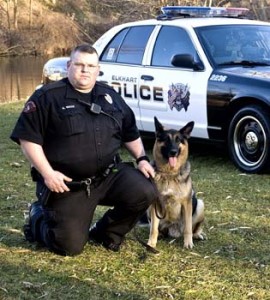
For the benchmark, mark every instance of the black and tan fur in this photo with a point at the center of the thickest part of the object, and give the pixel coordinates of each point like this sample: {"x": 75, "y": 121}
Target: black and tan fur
{"x": 179, "y": 213}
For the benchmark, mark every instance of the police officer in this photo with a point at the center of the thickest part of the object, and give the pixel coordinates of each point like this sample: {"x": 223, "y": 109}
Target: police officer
{"x": 71, "y": 132}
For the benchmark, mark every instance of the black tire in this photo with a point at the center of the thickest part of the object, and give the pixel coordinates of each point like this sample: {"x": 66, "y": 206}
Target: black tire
{"x": 249, "y": 138}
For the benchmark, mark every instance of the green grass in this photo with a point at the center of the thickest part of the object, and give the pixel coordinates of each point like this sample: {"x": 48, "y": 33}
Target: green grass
{"x": 233, "y": 263}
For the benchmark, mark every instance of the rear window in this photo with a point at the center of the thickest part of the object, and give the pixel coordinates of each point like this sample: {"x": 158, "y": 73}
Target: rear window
{"x": 128, "y": 45}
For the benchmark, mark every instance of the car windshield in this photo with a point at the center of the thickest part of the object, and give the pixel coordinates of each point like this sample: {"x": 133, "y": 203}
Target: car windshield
{"x": 247, "y": 45}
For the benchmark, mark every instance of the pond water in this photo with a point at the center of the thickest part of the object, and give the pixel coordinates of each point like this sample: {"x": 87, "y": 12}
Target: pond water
{"x": 19, "y": 77}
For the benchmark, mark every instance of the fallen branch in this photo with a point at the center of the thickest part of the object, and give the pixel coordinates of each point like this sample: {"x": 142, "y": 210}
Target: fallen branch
{"x": 8, "y": 50}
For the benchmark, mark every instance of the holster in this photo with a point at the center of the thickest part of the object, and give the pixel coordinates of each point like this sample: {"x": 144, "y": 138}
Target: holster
{"x": 42, "y": 192}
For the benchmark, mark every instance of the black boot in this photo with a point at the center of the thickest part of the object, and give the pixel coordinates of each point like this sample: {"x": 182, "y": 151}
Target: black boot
{"x": 32, "y": 228}
{"x": 102, "y": 239}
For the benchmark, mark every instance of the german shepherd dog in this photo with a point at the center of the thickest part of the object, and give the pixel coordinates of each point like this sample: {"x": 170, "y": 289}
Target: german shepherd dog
{"x": 178, "y": 212}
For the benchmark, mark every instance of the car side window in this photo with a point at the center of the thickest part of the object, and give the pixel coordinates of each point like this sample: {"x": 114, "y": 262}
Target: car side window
{"x": 111, "y": 51}
{"x": 132, "y": 49}
{"x": 171, "y": 40}
{"x": 128, "y": 46}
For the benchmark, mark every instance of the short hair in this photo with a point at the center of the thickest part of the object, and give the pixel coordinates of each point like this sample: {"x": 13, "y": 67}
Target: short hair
{"x": 85, "y": 48}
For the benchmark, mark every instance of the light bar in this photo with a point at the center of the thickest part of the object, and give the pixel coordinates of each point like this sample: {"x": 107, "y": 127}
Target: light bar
{"x": 200, "y": 11}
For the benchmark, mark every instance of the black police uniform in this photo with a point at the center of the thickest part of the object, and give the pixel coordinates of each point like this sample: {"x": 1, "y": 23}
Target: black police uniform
{"x": 81, "y": 135}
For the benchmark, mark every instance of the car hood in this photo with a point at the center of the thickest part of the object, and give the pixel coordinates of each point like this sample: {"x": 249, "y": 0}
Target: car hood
{"x": 259, "y": 73}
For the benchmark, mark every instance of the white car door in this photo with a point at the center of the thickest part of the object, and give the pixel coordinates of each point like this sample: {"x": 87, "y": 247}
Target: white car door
{"x": 174, "y": 95}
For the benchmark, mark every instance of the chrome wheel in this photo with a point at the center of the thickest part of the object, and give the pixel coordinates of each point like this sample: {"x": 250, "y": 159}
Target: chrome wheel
{"x": 249, "y": 139}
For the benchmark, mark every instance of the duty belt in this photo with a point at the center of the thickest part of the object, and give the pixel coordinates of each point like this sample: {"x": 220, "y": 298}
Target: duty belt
{"x": 87, "y": 182}
{"x": 83, "y": 184}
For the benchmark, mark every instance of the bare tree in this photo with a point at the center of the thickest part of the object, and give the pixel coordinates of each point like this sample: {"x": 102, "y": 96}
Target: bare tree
{"x": 30, "y": 13}
{"x": 262, "y": 10}
{"x": 8, "y": 13}
{"x": 15, "y": 14}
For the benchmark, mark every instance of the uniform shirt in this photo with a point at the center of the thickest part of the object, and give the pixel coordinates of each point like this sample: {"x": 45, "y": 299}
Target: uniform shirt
{"x": 75, "y": 140}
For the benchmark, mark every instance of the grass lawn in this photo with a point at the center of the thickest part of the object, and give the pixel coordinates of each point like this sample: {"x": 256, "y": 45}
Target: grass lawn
{"x": 233, "y": 263}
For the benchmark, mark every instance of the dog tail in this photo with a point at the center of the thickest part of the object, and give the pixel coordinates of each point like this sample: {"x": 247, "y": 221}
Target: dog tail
{"x": 194, "y": 202}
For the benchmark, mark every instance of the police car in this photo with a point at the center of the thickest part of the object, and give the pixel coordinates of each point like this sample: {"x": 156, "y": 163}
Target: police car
{"x": 54, "y": 69}
{"x": 209, "y": 65}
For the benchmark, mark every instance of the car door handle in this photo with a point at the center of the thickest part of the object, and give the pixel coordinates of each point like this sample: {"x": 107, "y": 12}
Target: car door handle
{"x": 147, "y": 77}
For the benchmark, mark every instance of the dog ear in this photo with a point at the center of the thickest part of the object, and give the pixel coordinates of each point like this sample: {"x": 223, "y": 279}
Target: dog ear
{"x": 186, "y": 130}
{"x": 158, "y": 125}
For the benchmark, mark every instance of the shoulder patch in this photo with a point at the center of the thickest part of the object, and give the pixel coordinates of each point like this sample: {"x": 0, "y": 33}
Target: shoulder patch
{"x": 29, "y": 107}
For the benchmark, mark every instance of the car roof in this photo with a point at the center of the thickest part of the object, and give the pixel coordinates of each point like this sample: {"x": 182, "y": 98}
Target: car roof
{"x": 56, "y": 61}
{"x": 196, "y": 22}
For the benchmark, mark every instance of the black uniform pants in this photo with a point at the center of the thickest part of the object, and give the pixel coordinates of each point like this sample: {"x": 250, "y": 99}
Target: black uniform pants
{"x": 69, "y": 215}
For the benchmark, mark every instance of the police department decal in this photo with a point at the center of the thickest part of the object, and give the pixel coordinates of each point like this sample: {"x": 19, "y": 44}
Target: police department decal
{"x": 178, "y": 96}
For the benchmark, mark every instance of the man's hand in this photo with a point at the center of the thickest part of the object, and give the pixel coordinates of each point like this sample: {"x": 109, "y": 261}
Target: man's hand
{"x": 145, "y": 167}
{"x": 55, "y": 181}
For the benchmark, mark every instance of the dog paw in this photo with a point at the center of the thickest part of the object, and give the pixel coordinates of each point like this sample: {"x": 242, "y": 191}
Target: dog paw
{"x": 199, "y": 236}
{"x": 188, "y": 245}
{"x": 151, "y": 249}
{"x": 152, "y": 244}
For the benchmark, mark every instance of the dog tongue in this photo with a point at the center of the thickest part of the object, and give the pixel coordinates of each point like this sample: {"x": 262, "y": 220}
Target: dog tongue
{"x": 172, "y": 161}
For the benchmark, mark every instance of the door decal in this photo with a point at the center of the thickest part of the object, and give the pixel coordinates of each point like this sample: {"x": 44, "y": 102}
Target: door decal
{"x": 178, "y": 96}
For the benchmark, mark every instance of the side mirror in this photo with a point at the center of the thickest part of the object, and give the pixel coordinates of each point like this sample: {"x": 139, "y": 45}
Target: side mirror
{"x": 187, "y": 61}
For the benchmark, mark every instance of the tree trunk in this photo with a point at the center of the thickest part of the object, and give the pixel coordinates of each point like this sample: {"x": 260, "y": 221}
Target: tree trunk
{"x": 262, "y": 10}
{"x": 15, "y": 12}
{"x": 8, "y": 14}
{"x": 30, "y": 13}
